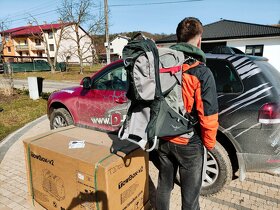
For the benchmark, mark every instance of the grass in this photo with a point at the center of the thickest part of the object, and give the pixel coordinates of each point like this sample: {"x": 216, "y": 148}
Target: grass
{"x": 19, "y": 109}
{"x": 71, "y": 75}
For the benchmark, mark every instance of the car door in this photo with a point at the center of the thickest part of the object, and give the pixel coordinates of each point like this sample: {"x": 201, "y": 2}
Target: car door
{"x": 104, "y": 106}
{"x": 229, "y": 87}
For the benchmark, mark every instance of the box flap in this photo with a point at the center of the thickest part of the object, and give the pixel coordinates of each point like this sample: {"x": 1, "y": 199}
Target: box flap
{"x": 61, "y": 141}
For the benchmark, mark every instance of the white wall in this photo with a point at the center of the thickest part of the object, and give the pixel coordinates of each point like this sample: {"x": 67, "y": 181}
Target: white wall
{"x": 271, "y": 49}
{"x": 50, "y": 41}
{"x": 68, "y": 46}
{"x": 118, "y": 44}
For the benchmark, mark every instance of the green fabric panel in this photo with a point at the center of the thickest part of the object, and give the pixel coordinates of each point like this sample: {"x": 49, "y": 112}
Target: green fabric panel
{"x": 29, "y": 66}
{"x": 190, "y": 50}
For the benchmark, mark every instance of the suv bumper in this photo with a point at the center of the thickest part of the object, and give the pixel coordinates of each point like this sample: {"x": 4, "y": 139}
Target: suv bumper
{"x": 258, "y": 163}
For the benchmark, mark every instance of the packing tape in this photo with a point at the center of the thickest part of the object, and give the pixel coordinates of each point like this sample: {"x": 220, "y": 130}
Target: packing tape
{"x": 95, "y": 174}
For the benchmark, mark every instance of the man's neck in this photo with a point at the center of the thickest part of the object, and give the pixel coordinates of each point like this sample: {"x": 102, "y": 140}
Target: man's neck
{"x": 195, "y": 41}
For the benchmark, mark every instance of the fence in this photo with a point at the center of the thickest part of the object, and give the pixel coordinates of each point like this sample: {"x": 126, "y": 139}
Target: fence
{"x": 36, "y": 65}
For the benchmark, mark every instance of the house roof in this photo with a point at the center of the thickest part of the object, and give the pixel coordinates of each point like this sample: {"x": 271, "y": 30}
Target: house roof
{"x": 27, "y": 30}
{"x": 12, "y": 30}
{"x": 120, "y": 36}
{"x": 228, "y": 29}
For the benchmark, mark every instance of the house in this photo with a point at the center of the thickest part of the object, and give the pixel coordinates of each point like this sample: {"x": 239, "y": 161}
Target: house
{"x": 30, "y": 41}
{"x": 116, "y": 46}
{"x": 250, "y": 38}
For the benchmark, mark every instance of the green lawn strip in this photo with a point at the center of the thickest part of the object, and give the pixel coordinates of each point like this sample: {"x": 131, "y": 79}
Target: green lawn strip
{"x": 18, "y": 112}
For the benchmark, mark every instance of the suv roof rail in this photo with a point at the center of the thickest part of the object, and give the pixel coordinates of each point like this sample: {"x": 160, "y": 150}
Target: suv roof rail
{"x": 221, "y": 49}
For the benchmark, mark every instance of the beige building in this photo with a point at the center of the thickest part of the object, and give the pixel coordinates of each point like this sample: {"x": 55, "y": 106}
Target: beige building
{"x": 27, "y": 42}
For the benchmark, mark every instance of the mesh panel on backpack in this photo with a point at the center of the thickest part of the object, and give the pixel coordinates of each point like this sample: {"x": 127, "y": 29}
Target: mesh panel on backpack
{"x": 157, "y": 109}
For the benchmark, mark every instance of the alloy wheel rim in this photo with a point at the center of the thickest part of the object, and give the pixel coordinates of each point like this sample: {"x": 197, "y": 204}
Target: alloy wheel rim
{"x": 59, "y": 122}
{"x": 212, "y": 171}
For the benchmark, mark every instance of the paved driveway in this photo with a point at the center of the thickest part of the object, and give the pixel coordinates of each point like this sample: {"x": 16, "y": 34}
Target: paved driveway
{"x": 258, "y": 191}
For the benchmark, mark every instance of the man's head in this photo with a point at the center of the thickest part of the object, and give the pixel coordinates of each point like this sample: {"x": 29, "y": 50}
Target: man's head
{"x": 190, "y": 30}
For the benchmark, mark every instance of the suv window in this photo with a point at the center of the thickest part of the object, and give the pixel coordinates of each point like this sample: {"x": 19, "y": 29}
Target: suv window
{"x": 226, "y": 78}
{"x": 112, "y": 80}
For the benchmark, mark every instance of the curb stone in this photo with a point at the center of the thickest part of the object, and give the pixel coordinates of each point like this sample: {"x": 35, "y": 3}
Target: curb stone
{"x": 13, "y": 137}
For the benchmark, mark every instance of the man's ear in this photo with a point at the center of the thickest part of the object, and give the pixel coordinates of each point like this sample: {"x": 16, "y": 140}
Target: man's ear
{"x": 199, "y": 42}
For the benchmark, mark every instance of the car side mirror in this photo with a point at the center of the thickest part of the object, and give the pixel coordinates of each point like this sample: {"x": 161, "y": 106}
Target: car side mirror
{"x": 86, "y": 82}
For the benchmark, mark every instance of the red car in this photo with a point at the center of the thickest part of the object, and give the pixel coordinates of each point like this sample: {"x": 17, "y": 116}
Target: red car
{"x": 98, "y": 102}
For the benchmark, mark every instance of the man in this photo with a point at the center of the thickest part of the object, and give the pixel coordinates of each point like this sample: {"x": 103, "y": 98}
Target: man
{"x": 200, "y": 100}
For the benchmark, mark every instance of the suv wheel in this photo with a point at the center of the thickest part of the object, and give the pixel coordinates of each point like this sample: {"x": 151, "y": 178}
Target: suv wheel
{"x": 218, "y": 171}
{"x": 60, "y": 118}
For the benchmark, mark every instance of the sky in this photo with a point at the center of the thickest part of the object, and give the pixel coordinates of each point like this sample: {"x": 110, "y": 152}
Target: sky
{"x": 154, "y": 16}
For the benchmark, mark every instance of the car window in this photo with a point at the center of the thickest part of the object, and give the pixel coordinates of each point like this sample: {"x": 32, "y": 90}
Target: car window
{"x": 226, "y": 78}
{"x": 112, "y": 80}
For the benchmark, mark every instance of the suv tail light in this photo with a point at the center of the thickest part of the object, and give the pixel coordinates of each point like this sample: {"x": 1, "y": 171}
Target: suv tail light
{"x": 269, "y": 113}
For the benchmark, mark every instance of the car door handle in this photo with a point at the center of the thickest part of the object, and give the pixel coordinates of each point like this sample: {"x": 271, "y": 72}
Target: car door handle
{"x": 121, "y": 100}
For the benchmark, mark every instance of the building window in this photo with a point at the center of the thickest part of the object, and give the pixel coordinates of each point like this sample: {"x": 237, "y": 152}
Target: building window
{"x": 38, "y": 42}
{"x": 50, "y": 34}
{"x": 51, "y": 47}
{"x": 9, "y": 49}
{"x": 7, "y": 38}
{"x": 254, "y": 50}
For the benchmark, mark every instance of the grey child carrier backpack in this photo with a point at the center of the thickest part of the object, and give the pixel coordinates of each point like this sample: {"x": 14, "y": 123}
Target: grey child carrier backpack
{"x": 154, "y": 88}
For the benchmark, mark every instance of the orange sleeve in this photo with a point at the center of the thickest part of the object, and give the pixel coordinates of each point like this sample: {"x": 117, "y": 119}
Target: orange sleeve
{"x": 208, "y": 119}
{"x": 209, "y": 126}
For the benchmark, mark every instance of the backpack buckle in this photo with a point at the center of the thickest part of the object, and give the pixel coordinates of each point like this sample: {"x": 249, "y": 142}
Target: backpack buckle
{"x": 127, "y": 62}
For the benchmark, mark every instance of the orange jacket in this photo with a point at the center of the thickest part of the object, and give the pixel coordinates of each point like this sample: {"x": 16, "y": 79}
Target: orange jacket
{"x": 199, "y": 93}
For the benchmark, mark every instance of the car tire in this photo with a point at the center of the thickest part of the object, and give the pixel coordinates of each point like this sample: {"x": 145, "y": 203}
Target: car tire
{"x": 218, "y": 171}
{"x": 60, "y": 118}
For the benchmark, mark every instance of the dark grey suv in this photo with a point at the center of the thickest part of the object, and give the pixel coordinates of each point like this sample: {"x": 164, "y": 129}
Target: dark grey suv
{"x": 249, "y": 113}
{"x": 249, "y": 117}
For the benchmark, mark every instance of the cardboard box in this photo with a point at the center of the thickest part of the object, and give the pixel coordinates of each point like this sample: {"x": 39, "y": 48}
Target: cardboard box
{"x": 78, "y": 168}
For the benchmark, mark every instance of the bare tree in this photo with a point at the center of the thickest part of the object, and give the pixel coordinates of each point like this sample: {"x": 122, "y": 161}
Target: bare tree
{"x": 3, "y": 40}
{"x": 6, "y": 82}
{"x": 4, "y": 36}
{"x": 58, "y": 35}
{"x": 81, "y": 12}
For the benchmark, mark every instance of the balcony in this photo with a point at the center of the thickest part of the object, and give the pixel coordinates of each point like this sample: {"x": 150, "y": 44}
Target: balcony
{"x": 38, "y": 48}
{"x": 22, "y": 47}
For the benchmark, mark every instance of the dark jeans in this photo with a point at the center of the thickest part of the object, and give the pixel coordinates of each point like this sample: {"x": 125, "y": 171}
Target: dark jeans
{"x": 189, "y": 159}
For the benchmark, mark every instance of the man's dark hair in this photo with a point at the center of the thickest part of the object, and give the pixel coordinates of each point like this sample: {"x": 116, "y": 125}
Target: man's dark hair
{"x": 188, "y": 28}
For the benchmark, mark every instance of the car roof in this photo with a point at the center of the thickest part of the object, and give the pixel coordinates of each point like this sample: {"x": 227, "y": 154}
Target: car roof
{"x": 216, "y": 56}
{"x": 227, "y": 56}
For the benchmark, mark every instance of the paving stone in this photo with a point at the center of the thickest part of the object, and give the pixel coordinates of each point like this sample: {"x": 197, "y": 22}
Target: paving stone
{"x": 5, "y": 208}
{"x": 257, "y": 191}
